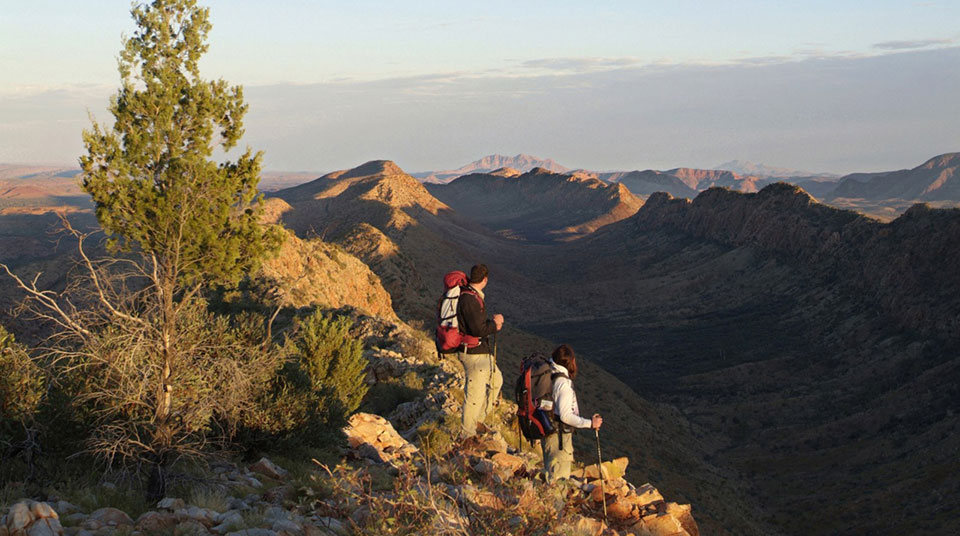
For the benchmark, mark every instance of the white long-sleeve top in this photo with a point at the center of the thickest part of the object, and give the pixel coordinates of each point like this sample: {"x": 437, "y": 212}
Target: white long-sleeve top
{"x": 565, "y": 399}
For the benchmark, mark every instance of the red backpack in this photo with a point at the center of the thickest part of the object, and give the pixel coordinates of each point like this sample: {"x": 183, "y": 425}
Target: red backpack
{"x": 449, "y": 335}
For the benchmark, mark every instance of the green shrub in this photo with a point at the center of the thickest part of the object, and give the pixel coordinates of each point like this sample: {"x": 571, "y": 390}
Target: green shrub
{"x": 290, "y": 413}
{"x": 22, "y": 384}
{"x": 23, "y": 387}
{"x": 332, "y": 358}
{"x": 320, "y": 383}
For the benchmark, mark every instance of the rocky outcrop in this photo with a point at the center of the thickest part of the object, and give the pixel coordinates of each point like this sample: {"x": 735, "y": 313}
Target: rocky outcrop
{"x": 31, "y": 518}
{"x": 311, "y": 272}
{"x": 509, "y": 482}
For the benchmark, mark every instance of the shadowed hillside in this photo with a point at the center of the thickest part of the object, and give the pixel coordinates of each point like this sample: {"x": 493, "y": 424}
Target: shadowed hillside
{"x": 538, "y": 205}
{"x": 937, "y": 179}
{"x": 818, "y": 344}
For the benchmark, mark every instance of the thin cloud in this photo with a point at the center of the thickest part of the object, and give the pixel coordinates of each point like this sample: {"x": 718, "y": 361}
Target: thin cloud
{"x": 912, "y": 44}
{"x": 579, "y": 65}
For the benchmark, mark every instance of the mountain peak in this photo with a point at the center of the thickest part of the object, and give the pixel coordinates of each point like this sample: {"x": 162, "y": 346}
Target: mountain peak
{"x": 373, "y": 167}
{"x": 505, "y": 172}
{"x": 784, "y": 190}
{"x": 942, "y": 161}
{"x": 539, "y": 171}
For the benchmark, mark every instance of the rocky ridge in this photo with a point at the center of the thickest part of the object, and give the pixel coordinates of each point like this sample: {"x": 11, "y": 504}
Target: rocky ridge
{"x": 937, "y": 179}
{"x": 896, "y": 263}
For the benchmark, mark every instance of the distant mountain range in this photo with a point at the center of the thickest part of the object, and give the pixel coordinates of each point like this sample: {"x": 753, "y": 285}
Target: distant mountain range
{"x": 680, "y": 182}
{"x": 883, "y": 195}
{"x": 490, "y": 163}
{"x": 744, "y": 167}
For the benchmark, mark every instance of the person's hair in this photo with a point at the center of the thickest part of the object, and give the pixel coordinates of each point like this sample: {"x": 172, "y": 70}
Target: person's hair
{"x": 564, "y": 357}
{"x": 478, "y": 273}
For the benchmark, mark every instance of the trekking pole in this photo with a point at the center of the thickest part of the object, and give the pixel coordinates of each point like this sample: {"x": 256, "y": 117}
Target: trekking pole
{"x": 600, "y": 471}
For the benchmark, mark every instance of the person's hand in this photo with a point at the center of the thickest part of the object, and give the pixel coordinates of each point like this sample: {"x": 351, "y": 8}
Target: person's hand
{"x": 498, "y": 320}
{"x": 596, "y": 421}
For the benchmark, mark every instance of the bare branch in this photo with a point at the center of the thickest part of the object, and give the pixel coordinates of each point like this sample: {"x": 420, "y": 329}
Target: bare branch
{"x": 48, "y": 299}
{"x": 93, "y": 274}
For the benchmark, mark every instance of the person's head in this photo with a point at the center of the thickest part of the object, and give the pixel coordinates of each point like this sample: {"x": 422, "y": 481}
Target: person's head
{"x": 478, "y": 276}
{"x": 564, "y": 357}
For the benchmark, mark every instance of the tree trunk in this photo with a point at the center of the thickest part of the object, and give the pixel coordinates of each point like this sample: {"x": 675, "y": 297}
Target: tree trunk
{"x": 163, "y": 432}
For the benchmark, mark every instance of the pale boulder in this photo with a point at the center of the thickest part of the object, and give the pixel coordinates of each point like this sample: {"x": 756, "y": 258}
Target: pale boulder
{"x": 648, "y": 494}
{"x": 171, "y": 503}
{"x": 268, "y": 468}
{"x": 18, "y": 518}
{"x": 41, "y": 510}
{"x": 673, "y": 520}
{"x": 155, "y": 521}
{"x": 611, "y": 469}
{"x": 378, "y": 433}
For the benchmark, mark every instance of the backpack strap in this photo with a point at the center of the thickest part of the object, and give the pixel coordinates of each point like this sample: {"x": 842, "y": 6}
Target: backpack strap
{"x": 561, "y": 427}
{"x": 470, "y": 290}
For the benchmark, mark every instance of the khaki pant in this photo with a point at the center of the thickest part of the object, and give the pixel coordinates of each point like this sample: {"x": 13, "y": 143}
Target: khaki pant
{"x": 557, "y": 461}
{"x": 482, "y": 391}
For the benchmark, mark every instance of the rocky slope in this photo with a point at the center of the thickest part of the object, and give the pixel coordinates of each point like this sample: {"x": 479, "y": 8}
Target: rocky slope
{"x": 538, "y": 205}
{"x": 311, "y": 272}
{"x": 478, "y": 486}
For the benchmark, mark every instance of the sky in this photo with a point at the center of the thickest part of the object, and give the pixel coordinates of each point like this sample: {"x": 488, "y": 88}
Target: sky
{"x": 834, "y": 86}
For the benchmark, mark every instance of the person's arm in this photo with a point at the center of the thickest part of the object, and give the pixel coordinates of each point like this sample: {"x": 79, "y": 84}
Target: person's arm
{"x": 563, "y": 404}
{"x": 477, "y": 324}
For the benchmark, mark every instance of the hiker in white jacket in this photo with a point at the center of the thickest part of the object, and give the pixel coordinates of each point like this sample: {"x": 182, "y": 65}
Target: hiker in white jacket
{"x": 558, "y": 447}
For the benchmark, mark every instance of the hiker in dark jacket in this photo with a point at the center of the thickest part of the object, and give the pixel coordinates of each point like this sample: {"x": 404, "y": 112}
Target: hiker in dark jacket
{"x": 484, "y": 379}
{"x": 558, "y": 447}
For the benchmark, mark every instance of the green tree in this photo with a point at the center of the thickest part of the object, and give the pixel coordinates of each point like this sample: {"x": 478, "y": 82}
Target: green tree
{"x": 188, "y": 221}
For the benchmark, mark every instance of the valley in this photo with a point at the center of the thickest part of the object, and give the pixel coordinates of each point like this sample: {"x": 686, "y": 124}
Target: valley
{"x": 775, "y": 361}
{"x": 799, "y": 339}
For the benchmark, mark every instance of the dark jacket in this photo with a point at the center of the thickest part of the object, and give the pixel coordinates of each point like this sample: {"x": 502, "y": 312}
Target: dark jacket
{"x": 472, "y": 319}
